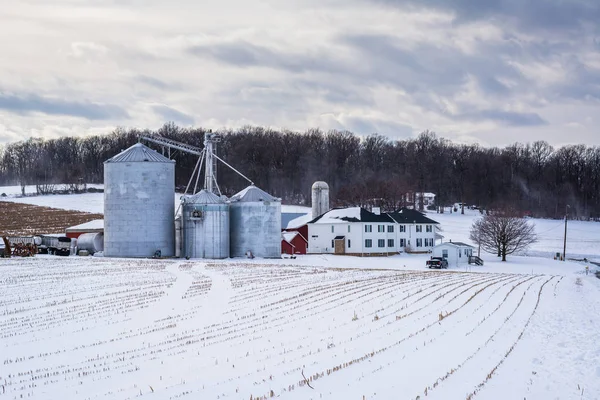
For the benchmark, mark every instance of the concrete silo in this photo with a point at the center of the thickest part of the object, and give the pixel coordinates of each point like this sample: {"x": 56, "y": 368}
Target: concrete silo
{"x": 255, "y": 224}
{"x": 205, "y": 218}
{"x": 139, "y": 204}
{"x": 320, "y": 198}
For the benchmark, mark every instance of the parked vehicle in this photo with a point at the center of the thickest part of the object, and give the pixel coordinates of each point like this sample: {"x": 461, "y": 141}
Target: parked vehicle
{"x": 56, "y": 245}
{"x": 437, "y": 262}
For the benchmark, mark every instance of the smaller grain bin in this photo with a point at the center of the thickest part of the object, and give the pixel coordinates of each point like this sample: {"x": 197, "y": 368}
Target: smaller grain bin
{"x": 205, "y": 219}
{"x": 255, "y": 224}
{"x": 92, "y": 242}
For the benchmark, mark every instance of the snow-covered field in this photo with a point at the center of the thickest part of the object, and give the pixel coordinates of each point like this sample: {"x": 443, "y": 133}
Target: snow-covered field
{"x": 354, "y": 328}
{"x": 94, "y": 328}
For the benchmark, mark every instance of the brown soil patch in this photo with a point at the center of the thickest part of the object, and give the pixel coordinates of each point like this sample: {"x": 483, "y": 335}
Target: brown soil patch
{"x": 25, "y": 219}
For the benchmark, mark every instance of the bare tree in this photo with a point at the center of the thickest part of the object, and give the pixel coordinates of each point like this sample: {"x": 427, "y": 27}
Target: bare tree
{"x": 503, "y": 233}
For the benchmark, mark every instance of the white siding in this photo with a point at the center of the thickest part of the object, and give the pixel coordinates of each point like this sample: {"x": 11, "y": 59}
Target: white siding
{"x": 457, "y": 255}
{"x": 320, "y": 237}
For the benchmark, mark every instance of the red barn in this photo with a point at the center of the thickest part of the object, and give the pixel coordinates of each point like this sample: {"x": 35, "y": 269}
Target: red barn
{"x": 293, "y": 243}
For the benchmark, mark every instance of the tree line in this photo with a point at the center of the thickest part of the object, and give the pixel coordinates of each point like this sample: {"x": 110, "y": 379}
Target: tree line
{"x": 534, "y": 178}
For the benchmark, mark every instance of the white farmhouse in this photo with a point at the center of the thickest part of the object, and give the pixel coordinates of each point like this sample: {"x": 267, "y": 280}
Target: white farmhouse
{"x": 357, "y": 231}
{"x": 457, "y": 253}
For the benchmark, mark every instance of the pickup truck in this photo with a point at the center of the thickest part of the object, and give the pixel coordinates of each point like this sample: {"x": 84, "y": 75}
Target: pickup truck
{"x": 437, "y": 262}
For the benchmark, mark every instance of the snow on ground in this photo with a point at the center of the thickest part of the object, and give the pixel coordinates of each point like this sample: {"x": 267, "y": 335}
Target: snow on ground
{"x": 99, "y": 328}
{"x": 583, "y": 237}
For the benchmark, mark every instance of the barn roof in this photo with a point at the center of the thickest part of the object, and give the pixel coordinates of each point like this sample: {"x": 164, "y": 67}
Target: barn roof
{"x": 95, "y": 225}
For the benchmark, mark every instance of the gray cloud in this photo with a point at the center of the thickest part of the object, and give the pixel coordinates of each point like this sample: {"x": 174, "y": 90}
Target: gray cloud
{"x": 508, "y": 118}
{"x": 243, "y": 54}
{"x": 33, "y": 103}
{"x": 547, "y": 15}
{"x": 156, "y": 83}
{"x": 173, "y": 115}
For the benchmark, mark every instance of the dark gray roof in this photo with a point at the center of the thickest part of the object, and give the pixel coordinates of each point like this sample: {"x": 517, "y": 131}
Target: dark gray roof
{"x": 139, "y": 153}
{"x": 409, "y": 216}
{"x": 365, "y": 216}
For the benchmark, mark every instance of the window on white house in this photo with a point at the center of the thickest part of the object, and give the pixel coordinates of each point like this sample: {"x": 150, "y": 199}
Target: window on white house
{"x": 390, "y": 242}
{"x": 402, "y": 242}
{"x": 381, "y": 243}
{"x": 460, "y": 252}
{"x": 333, "y": 244}
{"x": 419, "y": 228}
{"x": 390, "y": 228}
{"x": 348, "y": 228}
{"x": 380, "y": 228}
{"x": 444, "y": 253}
{"x": 428, "y": 228}
{"x": 419, "y": 242}
{"x": 349, "y": 244}
{"x": 402, "y": 228}
{"x": 332, "y": 228}
{"x": 368, "y": 228}
{"x": 368, "y": 243}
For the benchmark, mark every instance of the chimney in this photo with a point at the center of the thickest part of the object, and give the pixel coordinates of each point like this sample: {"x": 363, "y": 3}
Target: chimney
{"x": 376, "y": 210}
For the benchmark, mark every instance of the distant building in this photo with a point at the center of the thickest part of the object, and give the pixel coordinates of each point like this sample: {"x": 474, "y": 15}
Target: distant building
{"x": 357, "y": 231}
{"x": 293, "y": 242}
{"x": 413, "y": 200}
{"x": 457, "y": 253}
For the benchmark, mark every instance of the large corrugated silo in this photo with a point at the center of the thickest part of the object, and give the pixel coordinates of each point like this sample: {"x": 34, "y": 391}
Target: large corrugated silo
{"x": 205, "y": 218}
{"x": 255, "y": 224}
{"x": 320, "y": 198}
{"x": 139, "y": 204}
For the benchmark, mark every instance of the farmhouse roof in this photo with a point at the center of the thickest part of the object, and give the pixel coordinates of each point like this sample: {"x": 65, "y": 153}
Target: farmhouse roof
{"x": 139, "y": 153}
{"x": 352, "y": 214}
{"x": 408, "y": 216}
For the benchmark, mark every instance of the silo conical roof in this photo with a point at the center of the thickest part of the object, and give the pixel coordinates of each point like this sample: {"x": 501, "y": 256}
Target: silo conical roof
{"x": 139, "y": 153}
{"x": 252, "y": 194}
{"x": 204, "y": 197}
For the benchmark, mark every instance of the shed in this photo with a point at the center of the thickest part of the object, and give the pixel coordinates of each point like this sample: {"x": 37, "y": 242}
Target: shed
{"x": 457, "y": 253}
{"x": 293, "y": 243}
{"x": 95, "y": 226}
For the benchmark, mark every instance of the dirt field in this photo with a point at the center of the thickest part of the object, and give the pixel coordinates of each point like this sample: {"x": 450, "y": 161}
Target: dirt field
{"x": 25, "y": 219}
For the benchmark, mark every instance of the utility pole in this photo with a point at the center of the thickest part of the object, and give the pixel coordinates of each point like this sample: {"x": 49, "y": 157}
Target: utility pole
{"x": 565, "y": 243}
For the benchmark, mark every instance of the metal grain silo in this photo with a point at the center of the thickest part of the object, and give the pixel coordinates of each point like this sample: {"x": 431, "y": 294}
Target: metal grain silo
{"x": 320, "y": 198}
{"x": 255, "y": 224}
{"x": 139, "y": 204}
{"x": 205, "y": 218}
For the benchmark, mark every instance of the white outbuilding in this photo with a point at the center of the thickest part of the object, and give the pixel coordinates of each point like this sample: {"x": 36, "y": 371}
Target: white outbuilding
{"x": 457, "y": 253}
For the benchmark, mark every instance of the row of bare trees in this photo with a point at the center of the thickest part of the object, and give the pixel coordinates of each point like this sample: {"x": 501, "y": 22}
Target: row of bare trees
{"x": 534, "y": 178}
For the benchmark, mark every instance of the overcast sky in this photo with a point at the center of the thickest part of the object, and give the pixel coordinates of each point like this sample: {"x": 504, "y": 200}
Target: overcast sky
{"x": 487, "y": 71}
